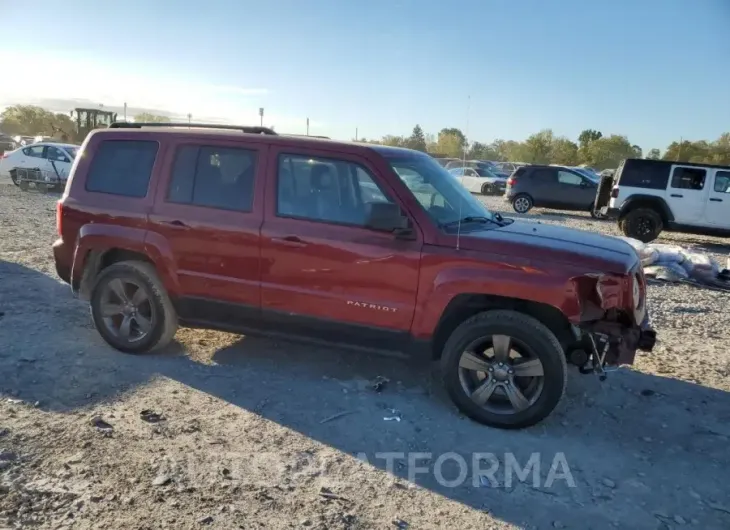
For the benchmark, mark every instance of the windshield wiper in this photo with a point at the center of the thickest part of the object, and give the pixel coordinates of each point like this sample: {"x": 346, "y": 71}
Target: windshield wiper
{"x": 469, "y": 219}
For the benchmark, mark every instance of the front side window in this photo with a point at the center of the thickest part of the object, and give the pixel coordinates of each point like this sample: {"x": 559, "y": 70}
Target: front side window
{"x": 722, "y": 182}
{"x": 566, "y": 177}
{"x": 213, "y": 177}
{"x": 55, "y": 154}
{"x": 122, "y": 167}
{"x": 443, "y": 198}
{"x": 688, "y": 178}
{"x": 326, "y": 189}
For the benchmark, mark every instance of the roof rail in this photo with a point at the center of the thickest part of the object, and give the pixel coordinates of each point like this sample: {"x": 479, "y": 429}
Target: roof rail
{"x": 308, "y": 136}
{"x": 243, "y": 128}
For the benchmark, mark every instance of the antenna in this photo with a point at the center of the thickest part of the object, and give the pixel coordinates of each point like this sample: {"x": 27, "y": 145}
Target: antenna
{"x": 463, "y": 165}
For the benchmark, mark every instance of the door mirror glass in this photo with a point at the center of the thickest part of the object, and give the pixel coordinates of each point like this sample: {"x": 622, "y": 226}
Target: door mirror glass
{"x": 386, "y": 217}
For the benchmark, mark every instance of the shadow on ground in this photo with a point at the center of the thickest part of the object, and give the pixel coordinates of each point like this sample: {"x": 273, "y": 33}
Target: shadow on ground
{"x": 634, "y": 445}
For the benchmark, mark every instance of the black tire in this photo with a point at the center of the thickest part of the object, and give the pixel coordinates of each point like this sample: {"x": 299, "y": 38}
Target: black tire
{"x": 643, "y": 224}
{"x": 522, "y": 329}
{"x": 522, "y": 203}
{"x": 14, "y": 176}
{"x": 486, "y": 189}
{"x": 163, "y": 316}
{"x": 42, "y": 187}
{"x": 23, "y": 185}
{"x": 596, "y": 214}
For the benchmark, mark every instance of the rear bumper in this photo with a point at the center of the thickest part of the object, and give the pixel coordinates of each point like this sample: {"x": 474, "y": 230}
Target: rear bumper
{"x": 63, "y": 258}
{"x": 610, "y": 213}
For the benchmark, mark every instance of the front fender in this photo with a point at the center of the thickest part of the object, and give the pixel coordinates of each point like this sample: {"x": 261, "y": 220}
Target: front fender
{"x": 512, "y": 282}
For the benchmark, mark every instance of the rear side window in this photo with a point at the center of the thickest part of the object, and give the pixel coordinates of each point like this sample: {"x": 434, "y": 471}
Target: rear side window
{"x": 688, "y": 178}
{"x": 644, "y": 174}
{"x": 214, "y": 177}
{"x": 122, "y": 167}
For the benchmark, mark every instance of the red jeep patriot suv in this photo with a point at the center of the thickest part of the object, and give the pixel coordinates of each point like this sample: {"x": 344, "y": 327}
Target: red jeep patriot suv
{"x": 379, "y": 248}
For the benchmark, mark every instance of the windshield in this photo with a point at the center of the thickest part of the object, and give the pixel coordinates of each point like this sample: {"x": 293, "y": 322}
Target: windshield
{"x": 443, "y": 197}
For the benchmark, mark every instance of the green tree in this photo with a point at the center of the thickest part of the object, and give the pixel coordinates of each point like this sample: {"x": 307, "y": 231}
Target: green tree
{"x": 146, "y": 117}
{"x": 393, "y": 141}
{"x": 451, "y": 142}
{"x": 607, "y": 152}
{"x": 687, "y": 151}
{"x": 417, "y": 139}
{"x": 564, "y": 151}
{"x": 30, "y": 120}
{"x": 654, "y": 154}
{"x": 589, "y": 135}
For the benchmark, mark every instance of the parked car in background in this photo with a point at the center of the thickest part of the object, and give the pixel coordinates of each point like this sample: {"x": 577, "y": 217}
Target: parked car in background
{"x": 509, "y": 167}
{"x": 475, "y": 164}
{"x": 480, "y": 180}
{"x": 587, "y": 172}
{"x": 6, "y": 144}
{"x": 446, "y": 161}
{"x": 556, "y": 187}
{"x": 650, "y": 196}
{"x": 55, "y": 158}
{"x": 427, "y": 271}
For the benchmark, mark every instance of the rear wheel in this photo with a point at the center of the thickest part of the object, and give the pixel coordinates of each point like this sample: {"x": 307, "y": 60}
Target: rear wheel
{"x": 14, "y": 176}
{"x": 504, "y": 369}
{"x": 643, "y": 224}
{"x": 522, "y": 203}
{"x": 131, "y": 309}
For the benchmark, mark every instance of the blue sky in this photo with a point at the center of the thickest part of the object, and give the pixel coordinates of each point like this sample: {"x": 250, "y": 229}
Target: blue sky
{"x": 654, "y": 70}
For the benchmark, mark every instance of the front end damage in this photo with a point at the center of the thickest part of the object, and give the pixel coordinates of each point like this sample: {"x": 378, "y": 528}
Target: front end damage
{"x": 612, "y": 323}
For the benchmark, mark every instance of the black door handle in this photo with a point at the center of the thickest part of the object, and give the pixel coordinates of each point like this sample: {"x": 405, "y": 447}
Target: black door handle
{"x": 176, "y": 224}
{"x": 291, "y": 241}
{"x": 715, "y": 200}
{"x": 676, "y": 195}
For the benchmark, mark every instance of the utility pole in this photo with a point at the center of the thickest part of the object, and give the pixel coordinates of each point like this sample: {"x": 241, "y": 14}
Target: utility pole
{"x": 190, "y": 117}
{"x": 679, "y": 151}
{"x": 356, "y": 134}
{"x": 261, "y": 116}
{"x": 125, "y": 111}
{"x": 307, "y": 126}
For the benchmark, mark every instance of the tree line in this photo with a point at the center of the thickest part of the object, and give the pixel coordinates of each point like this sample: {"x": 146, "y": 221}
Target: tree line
{"x": 592, "y": 148}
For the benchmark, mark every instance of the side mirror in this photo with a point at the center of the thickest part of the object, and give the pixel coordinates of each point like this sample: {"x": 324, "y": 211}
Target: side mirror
{"x": 583, "y": 184}
{"x": 386, "y": 217}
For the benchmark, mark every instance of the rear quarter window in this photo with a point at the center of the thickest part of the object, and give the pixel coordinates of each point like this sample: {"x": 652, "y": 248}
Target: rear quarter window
{"x": 644, "y": 174}
{"x": 122, "y": 167}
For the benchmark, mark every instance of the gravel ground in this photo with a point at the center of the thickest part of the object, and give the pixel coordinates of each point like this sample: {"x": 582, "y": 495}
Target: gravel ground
{"x": 263, "y": 434}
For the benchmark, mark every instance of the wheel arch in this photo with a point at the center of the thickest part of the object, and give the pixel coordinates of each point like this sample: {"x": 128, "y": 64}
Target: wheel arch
{"x": 647, "y": 201}
{"x": 465, "y": 306}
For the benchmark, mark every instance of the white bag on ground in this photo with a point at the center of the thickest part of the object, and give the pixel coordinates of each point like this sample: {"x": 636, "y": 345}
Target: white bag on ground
{"x": 669, "y": 272}
{"x": 700, "y": 265}
{"x": 668, "y": 253}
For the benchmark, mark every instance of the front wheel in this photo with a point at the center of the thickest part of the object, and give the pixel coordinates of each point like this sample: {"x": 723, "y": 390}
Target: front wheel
{"x": 14, "y": 176}
{"x": 504, "y": 369}
{"x": 131, "y": 309}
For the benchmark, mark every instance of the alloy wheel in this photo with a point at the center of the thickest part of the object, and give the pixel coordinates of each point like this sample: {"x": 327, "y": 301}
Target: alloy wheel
{"x": 521, "y": 204}
{"x": 501, "y": 374}
{"x": 126, "y": 309}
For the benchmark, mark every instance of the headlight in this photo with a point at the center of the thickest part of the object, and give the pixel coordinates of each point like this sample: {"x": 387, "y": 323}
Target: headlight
{"x": 636, "y": 291}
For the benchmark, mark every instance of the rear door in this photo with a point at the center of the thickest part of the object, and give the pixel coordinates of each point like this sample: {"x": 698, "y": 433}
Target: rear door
{"x": 208, "y": 211}
{"x": 542, "y": 184}
{"x": 324, "y": 273}
{"x": 717, "y": 209}
{"x": 33, "y": 157}
{"x": 687, "y": 193}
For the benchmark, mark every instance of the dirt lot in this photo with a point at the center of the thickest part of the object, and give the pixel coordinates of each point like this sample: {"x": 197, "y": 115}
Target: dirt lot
{"x": 244, "y": 442}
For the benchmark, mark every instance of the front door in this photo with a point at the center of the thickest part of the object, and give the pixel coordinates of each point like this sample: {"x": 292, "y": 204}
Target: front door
{"x": 324, "y": 273}
{"x": 574, "y": 191}
{"x": 717, "y": 209}
{"x": 59, "y": 162}
{"x": 687, "y": 193}
{"x": 208, "y": 212}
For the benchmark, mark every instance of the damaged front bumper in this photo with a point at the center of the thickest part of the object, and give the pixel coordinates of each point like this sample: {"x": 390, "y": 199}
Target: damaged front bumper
{"x": 610, "y": 343}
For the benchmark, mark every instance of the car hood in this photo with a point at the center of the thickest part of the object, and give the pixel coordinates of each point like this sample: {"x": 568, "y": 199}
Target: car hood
{"x": 543, "y": 242}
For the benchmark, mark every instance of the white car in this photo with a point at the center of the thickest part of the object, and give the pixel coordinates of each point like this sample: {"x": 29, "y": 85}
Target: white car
{"x": 480, "y": 180}
{"x": 54, "y": 158}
